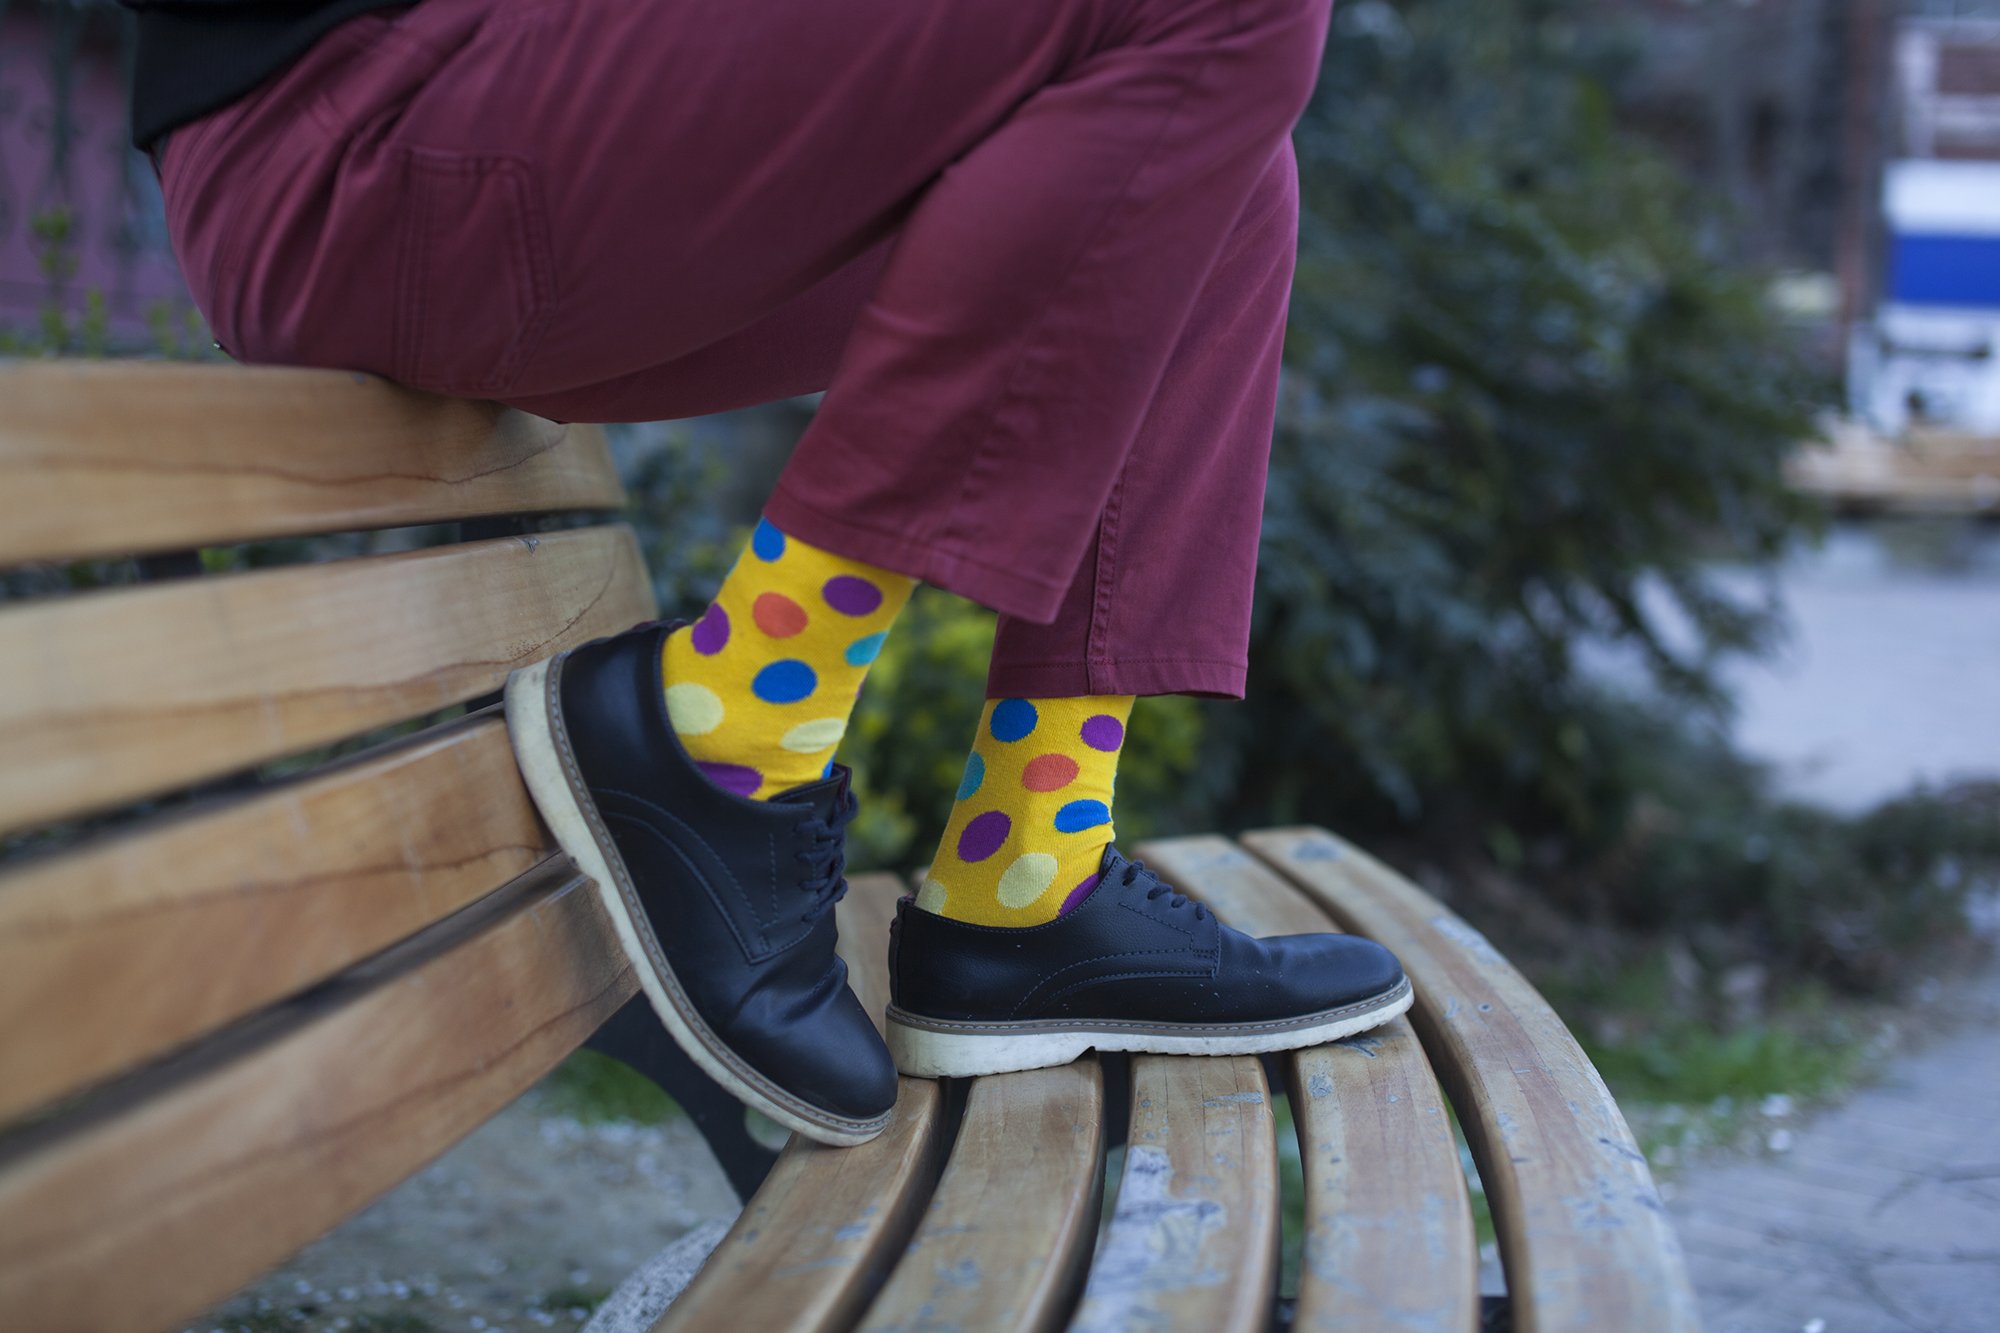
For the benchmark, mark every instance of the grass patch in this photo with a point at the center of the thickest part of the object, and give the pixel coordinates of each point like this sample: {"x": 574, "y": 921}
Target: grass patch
{"x": 1291, "y": 1197}
{"x": 596, "y": 1089}
{"x": 264, "y": 1321}
{"x": 303, "y": 1319}
{"x": 1692, "y": 1063}
{"x": 1691, "y": 1077}
{"x": 397, "y": 1321}
{"x": 563, "y": 1299}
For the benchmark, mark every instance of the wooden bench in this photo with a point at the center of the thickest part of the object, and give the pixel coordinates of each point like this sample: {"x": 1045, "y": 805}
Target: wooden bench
{"x": 247, "y": 984}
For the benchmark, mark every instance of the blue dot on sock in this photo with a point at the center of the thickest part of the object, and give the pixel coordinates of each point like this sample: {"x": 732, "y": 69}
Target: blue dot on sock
{"x": 1013, "y": 719}
{"x": 784, "y": 682}
{"x": 1080, "y": 815}
{"x": 865, "y": 650}
{"x": 975, "y": 773}
{"x": 767, "y": 541}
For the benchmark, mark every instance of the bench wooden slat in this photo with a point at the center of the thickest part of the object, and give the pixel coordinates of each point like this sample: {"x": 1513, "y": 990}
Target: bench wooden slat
{"x": 1193, "y": 1240}
{"x": 130, "y": 947}
{"x": 117, "y": 695}
{"x": 1389, "y": 1237}
{"x": 1583, "y": 1235}
{"x": 176, "y": 1189}
{"x": 113, "y": 458}
{"x": 815, "y": 1241}
{"x": 1012, "y": 1224}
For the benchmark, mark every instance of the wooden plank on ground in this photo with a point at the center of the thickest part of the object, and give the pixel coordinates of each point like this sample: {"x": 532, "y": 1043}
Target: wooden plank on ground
{"x": 1389, "y": 1239}
{"x": 117, "y": 457}
{"x": 181, "y": 1184}
{"x": 1006, "y": 1238}
{"x": 117, "y": 695}
{"x": 815, "y": 1241}
{"x": 134, "y": 945}
{"x": 1193, "y": 1240}
{"x": 1583, "y": 1236}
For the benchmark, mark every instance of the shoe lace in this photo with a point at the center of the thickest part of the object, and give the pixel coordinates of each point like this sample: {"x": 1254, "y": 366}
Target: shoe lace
{"x": 1134, "y": 870}
{"x": 825, "y": 855}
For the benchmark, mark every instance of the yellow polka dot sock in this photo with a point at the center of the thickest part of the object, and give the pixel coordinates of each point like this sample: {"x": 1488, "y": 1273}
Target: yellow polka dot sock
{"x": 760, "y": 688}
{"x": 1033, "y": 814}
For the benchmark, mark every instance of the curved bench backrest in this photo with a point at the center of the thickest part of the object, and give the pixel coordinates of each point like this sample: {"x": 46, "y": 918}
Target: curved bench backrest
{"x": 276, "y": 927}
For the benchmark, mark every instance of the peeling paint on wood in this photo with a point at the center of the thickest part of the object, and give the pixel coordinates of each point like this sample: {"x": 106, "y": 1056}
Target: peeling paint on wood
{"x": 1193, "y": 1242}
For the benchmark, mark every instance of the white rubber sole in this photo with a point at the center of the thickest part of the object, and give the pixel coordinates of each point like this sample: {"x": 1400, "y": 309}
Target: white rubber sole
{"x": 932, "y": 1048}
{"x": 561, "y": 800}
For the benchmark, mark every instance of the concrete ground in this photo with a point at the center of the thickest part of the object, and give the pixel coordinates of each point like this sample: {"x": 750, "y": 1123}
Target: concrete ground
{"x": 1884, "y": 1214}
{"x": 1891, "y": 673}
{"x": 523, "y": 1226}
{"x": 1882, "y": 1217}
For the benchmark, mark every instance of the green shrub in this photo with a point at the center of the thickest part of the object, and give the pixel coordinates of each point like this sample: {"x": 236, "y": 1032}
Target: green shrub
{"x": 1530, "y": 402}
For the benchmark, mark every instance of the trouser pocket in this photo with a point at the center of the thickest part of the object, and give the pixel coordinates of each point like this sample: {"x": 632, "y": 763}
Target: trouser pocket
{"x": 474, "y": 273}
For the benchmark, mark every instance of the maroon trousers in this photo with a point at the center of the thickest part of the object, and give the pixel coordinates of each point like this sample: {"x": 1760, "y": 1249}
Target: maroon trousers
{"x": 1037, "y": 252}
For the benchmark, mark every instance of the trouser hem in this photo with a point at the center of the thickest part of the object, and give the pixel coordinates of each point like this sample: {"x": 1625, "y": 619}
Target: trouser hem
{"x": 1152, "y": 675}
{"x": 1002, "y": 590}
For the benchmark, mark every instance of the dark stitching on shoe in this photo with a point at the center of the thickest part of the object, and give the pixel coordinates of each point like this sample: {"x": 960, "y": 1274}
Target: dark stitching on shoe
{"x": 644, "y": 826}
{"x": 766, "y": 948}
{"x": 1159, "y": 920}
{"x": 663, "y": 971}
{"x": 1088, "y": 982}
{"x": 1042, "y": 985}
{"x": 771, "y": 886}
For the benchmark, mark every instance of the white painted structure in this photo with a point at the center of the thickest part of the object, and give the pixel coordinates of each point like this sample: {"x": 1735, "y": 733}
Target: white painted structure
{"x": 1932, "y": 352}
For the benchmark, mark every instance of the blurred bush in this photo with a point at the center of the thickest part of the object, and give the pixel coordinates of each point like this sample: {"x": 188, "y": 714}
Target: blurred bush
{"x": 1531, "y": 403}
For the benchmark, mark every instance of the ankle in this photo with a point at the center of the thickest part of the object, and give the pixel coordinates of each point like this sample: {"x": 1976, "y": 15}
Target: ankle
{"x": 1032, "y": 820}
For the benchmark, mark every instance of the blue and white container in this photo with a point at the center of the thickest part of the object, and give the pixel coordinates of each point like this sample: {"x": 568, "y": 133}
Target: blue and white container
{"x": 1932, "y": 354}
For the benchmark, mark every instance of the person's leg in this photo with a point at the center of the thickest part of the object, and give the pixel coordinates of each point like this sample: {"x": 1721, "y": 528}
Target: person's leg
{"x": 539, "y": 200}
{"x": 760, "y": 688}
{"x": 1161, "y": 604}
{"x": 1032, "y": 938}
{"x": 566, "y": 203}
{"x": 566, "y": 222}
{"x": 1032, "y": 816}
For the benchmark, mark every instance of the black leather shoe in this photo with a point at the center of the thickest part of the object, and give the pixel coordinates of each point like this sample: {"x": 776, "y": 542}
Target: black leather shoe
{"x": 724, "y": 904}
{"x": 1134, "y": 967}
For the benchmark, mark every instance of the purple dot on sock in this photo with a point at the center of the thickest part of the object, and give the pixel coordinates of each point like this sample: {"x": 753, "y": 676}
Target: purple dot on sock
{"x": 733, "y": 777}
{"x": 1077, "y": 895}
{"x": 711, "y": 632}
{"x": 851, "y": 595}
{"x": 983, "y": 836}
{"x": 1101, "y": 731}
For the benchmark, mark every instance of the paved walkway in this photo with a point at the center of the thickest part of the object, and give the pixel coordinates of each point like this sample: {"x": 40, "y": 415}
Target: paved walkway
{"x": 1884, "y": 1215}
{"x": 1887, "y": 678}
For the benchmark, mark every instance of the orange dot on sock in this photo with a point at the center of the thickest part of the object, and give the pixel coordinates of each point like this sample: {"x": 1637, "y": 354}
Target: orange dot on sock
{"x": 1049, "y": 772}
{"x": 778, "y": 615}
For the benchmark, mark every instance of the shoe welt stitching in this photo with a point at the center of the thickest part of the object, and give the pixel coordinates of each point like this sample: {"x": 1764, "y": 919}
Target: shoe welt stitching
{"x": 908, "y": 1019}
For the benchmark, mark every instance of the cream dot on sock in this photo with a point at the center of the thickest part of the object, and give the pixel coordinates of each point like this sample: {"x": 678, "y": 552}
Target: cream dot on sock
{"x": 931, "y": 896}
{"x": 1027, "y": 879}
{"x": 818, "y": 734}
{"x": 695, "y": 710}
